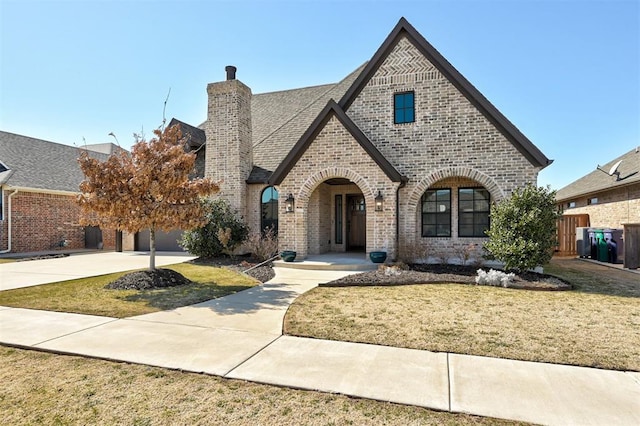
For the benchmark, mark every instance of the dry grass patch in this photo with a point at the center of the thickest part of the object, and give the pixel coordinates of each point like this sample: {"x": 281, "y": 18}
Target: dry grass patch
{"x": 597, "y": 325}
{"x": 88, "y": 295}
{"x": 41, "y": 388}
{"x": 7, "y": 260}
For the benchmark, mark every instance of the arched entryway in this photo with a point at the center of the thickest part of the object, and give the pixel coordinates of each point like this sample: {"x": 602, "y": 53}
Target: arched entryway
{"x": 335, "y": 210}
{"x": 337, "y": 217}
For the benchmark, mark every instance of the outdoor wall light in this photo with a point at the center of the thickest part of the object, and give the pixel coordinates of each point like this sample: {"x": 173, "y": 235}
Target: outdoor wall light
{"x": 379, "y": 200}
{"x": 289, "y": 203}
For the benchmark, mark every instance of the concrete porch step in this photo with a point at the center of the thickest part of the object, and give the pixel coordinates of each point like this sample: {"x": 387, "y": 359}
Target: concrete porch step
{"x": 331, "y": 262}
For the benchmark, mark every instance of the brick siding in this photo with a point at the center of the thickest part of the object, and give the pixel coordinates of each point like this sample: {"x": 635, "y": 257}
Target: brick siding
{"x": 450, "y": 143}
{"x": 228, "y": 131}
{"x": 449, "y": 138}
{"x": 41, "y": 221}
{"x": 308, "y": 230}
{"x": 614, "y": 208}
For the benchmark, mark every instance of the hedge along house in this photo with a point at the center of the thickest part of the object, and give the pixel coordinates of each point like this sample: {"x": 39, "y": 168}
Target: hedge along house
{"x": 402, "y": 151}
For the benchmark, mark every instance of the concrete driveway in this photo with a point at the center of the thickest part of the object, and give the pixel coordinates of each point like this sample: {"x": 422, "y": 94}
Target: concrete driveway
{"x": 36, "y": 272}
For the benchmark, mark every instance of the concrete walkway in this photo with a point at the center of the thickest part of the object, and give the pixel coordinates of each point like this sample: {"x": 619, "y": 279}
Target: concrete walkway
{"x": 80, "y": 265}
{"x": 239, "y": 336}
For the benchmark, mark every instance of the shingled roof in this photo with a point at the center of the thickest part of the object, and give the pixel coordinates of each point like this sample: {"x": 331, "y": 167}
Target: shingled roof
{"x": 271, "y": 149}
{"x": 39, "y": 164}
{"x": 195, "y": 136}
{"x": 597, "y": 181}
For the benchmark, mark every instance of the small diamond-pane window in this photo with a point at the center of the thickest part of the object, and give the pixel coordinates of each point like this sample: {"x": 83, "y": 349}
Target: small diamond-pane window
{"x": 404, "y": 108}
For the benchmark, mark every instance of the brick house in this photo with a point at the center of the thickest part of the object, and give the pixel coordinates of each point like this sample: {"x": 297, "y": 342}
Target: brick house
{"x": 38, "y": 187}
{"x": 610, "y": 200}
{"x": 402, "y": 151}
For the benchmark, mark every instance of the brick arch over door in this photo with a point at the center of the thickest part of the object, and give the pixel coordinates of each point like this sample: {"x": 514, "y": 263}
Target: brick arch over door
{"x": 334, "y": 172}
{"x": 304, "y": 194}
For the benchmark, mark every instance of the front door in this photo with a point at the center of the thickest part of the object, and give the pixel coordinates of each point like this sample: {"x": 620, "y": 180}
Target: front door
{"x": 356, "y": 223}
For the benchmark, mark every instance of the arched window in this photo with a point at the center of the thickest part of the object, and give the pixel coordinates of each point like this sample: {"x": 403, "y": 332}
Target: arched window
{"x": 269, "y": 217}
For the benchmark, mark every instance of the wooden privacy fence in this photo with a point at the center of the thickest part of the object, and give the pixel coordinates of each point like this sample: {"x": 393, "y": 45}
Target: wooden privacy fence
{"x": 566, "y": 233}
{"x": 632, "y": 245}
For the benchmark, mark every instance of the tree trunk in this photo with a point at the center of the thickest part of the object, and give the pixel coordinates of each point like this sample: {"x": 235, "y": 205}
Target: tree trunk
{"x": 152, "y": 247}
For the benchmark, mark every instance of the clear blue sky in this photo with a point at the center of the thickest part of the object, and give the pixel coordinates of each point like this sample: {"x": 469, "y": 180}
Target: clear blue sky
{"x": 566, "y": 73}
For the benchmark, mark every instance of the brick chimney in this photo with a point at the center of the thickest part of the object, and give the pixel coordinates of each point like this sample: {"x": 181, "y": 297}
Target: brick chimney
{"x": 229, "y": 154}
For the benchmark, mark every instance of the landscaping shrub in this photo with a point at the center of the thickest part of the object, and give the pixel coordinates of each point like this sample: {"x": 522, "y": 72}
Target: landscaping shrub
{"x": 414, "y": 252}
{"x": 222, "y": 223}
{"x": 523, "y": 228}
{"x": 494, "y": 278}
{"x": 263, "y": 245}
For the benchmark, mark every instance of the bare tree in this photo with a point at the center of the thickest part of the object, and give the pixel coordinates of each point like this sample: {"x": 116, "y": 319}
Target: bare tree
{"x": 147, "y": 189}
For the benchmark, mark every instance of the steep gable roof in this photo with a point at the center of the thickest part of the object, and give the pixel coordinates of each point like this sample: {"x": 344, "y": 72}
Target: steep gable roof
{"x": 40, "y": 164}
{"x": 405, "y": 29}
{"x": 597, "y": 180}
{"x": 332, "y": 109}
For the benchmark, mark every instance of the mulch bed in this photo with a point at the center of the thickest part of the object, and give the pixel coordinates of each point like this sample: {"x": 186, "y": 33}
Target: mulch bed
{"x": 161, "y": 278}
{"x": 438, "y": 273}
{"x": 413, "y": 274}
{"x": 146, "y": 280}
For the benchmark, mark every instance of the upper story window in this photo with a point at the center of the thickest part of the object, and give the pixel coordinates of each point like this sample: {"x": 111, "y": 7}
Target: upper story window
{"x": 593, "y": 200}
{"x": 571, "y": 204}
{"x": 404, "y": 108}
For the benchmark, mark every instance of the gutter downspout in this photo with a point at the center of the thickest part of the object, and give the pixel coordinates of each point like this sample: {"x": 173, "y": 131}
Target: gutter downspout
{"x": 15, "y": 191}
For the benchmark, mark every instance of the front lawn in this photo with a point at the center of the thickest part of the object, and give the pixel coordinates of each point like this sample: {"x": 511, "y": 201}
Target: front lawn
{"x": 88, "y": 295}
{"x": 596, "y": 325}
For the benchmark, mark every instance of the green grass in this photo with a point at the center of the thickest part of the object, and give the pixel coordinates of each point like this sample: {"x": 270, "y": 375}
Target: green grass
{"x": 88, "y": 295}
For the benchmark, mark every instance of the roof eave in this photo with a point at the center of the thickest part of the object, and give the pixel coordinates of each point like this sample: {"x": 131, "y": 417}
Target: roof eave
{"x": 594, "y": 191}
{"x": 40, "y": 190}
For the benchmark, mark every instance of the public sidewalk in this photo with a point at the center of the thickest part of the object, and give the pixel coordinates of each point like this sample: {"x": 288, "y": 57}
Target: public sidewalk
{"x": 239, "y": 336}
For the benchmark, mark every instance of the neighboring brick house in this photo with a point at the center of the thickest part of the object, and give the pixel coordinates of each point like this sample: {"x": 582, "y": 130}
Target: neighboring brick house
{"x": 609, "y": 200}
{"x": 38, "y": 187}
{"x": 402, "y": 151}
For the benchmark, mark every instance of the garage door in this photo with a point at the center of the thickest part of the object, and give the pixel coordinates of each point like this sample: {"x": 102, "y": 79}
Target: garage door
{"x": 165, "y": 241}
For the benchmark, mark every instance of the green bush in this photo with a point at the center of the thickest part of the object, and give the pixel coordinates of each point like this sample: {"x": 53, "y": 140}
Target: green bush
{"x": 222, "y": 223}
{"x": 523, "y": 228}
